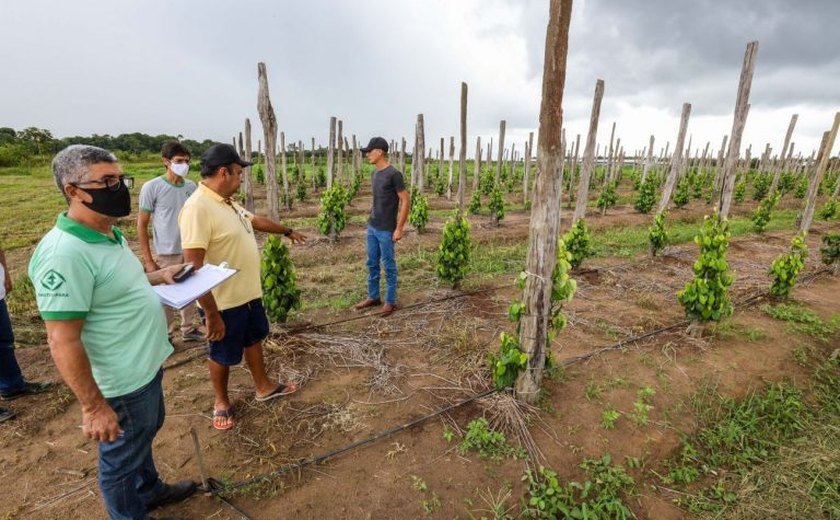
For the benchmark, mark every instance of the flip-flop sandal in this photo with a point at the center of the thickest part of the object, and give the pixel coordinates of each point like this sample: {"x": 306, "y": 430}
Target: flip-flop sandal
{"x": 280, "y": 391}
{"x": 226, "y": 416}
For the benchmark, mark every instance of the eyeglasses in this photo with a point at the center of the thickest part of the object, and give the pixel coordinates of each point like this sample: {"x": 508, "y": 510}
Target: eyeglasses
{"x": 112, "y": 183}
{"x": 242, "y": 220}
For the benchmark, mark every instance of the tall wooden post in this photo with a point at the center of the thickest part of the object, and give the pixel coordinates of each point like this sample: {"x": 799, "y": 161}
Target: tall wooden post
{"x": 477, "y": 164}
{"x": 739, "y": 120}
{"x": 588, "y": 153}
{"x": 676, "y": 161}
{"x": 526, "y": 178}
{"x": 545, "y": 212}
{"x": 340, "y": 170}
{"x": 462, "y": 159}
{"x": 780, "y": 164}
{"x": 648, "y": 160}
{"x": 312, "y": 165}
{"x": 440, "y": 158}
{"x": 269, "y": 124}
{"x": 501, "y": 154}
{"x": 451, "y": 161}
{"x": 247, "y": 186}
{"x": 419, "y": 156}
{"x": 287, "y": 196}
{"x": 331, "y": 153}
{"x": 574, "y": 170}
{"x": 813, "y": 188}
{"x": 402, "y": 155}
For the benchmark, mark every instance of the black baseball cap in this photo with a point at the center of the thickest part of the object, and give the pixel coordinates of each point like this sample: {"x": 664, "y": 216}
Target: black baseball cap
{"x": 220, "y": 155}
{"x": 376, "y": 143}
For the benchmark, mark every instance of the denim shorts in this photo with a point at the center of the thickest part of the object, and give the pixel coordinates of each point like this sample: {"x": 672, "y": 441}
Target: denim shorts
{"x": 245, "y": 326}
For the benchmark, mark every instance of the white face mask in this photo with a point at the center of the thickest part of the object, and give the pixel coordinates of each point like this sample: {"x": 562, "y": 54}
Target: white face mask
{"x": 180, "y": 169}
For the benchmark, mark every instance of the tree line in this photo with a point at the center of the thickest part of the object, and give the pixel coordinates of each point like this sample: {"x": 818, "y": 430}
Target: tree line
{"x": 22, "y": 147}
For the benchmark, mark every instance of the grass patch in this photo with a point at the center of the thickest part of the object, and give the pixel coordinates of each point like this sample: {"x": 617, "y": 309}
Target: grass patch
{"x": 802, "y": 320}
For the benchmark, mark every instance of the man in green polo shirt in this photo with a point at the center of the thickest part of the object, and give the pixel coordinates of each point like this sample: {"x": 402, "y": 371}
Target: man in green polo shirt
{"x": 106, "y": 329}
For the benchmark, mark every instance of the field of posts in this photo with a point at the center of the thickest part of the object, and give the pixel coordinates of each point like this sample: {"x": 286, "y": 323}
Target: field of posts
{"x": 404, "y": 417}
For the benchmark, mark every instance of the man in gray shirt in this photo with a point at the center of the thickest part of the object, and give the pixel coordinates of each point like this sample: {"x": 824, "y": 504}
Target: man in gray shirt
{"x": 161, "y": 200}
{"x": 388, "y": 214}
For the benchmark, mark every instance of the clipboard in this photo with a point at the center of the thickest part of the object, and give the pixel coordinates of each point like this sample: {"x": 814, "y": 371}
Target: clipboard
{"x": 180, "y": 295}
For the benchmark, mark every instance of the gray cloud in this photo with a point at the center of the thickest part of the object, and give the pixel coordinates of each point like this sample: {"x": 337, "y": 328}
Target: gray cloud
{"x": 189, "y": 67}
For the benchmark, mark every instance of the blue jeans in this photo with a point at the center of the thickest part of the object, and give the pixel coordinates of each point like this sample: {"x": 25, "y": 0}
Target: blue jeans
{"x": 128, "y": 478}
{"x": 380, "y": 247}
{"x": 11, "y": 379}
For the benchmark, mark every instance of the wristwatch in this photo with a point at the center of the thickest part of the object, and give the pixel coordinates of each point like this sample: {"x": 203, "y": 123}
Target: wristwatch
{"x": 288, "y": 232}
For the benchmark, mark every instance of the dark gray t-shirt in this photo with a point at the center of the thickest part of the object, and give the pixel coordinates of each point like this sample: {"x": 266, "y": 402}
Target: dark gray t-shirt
{"x": 386, "y": 183}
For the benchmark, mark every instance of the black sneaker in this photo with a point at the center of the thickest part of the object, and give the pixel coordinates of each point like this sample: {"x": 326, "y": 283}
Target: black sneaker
{"x": 29, "y": 388}
{"x": 172, "y": 493}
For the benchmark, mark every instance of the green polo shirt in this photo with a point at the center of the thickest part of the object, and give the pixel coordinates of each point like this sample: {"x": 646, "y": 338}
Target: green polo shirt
{"x": 81, "y": 274}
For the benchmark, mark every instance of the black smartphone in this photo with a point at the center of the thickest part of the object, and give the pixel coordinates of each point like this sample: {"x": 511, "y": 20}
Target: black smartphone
{"x": 184, "y": 273}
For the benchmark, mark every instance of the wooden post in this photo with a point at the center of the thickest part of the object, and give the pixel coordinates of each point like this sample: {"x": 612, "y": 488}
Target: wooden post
{"x": 340, "y": 170}
{"x": 648, "y": 160}
{"x": 462, "y": 159}
{"x": 545, "y": 212}
{"x": 451, "y": 162}
{"x": 813, "y": 188}
{"x": 608, "y": 172}
{"x": 573, "y": 173}
{"x": 501, "y": 154}
{"x": 247, "y": 186}
{"x": 419, "y": 156}
{"x": 676, "y": 161}
{"x": 526, "y": 177}
{"x": 269, "y": 124}
{"x": 312, "y": 165}
{"x": 288, "y": 198}
{"x": 402, "y": 155}
{"x": 331, "y": 154}
{"x": 739, "y": 120}
{"x": 780, "y": 164}
{"x": 588, "y": 154}
{"x": 477, "y": 163}
{"x": 440, "y": 158}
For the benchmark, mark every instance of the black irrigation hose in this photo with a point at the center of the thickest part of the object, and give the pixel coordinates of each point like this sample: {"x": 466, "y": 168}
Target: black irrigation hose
{"x": 748, "y": 301}
{"x": 321, "y": 458}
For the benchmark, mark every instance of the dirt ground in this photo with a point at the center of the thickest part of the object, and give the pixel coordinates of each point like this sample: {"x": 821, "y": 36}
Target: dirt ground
{"x": 367, "y": 375}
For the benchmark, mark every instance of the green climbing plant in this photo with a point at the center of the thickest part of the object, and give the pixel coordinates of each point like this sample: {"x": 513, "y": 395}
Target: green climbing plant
{"x": 454, "y": 251}
{"x": 683, "y": 193}
{"x": 332, "y": 219}
{"x": 761, "y": 216}
{"x": 647, "y": 195}
{"x": 607, "y": 198}
{"x": 277, "y": 274}
{"x": 475, "y": 203}
{"x": 657, "y": 235}
{"x": 706, "y": 297}
{"x": 786, "y": 267}
{"x": 497, "y": 205}
{"x": 830, "y": 251}
{"x": 578, "y": 243}
{"x": 418, "y": 214}
{"x": 740, "y": 191}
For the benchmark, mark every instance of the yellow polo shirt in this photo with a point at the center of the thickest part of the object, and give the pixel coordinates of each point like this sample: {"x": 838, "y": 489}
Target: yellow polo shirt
{"x": 223, "y": 229}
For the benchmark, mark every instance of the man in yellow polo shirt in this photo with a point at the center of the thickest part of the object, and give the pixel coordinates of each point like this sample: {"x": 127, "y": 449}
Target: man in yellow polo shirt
{"x": 215, "y": 229}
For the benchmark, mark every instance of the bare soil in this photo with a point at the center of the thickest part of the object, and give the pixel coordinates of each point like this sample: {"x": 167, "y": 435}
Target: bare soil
{"x": 367, "y": 375}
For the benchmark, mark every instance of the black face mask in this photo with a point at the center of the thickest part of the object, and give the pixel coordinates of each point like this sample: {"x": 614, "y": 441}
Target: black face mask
{"x": 109, "y": 202}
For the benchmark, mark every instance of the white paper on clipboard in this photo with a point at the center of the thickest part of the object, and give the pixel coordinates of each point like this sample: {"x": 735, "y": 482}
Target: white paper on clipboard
{"x": 180, "y": 295}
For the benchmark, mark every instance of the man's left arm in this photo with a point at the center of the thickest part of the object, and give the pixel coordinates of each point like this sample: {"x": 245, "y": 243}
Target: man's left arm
{"x": 7, "y": 278}
{"x": 403, "y": 215}
{"x": 267, "y": 225}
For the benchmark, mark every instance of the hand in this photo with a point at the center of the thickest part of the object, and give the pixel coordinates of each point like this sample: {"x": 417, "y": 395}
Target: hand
{"x": 150, "y": 266}
{"x": 101, "y": 424}
{"x": 398, "y": 234}
{"x": 7, "y": 283}
{"x": 168, "y": 273}
{"x": 215, "y": 326}
{"x": 297, "y": 237}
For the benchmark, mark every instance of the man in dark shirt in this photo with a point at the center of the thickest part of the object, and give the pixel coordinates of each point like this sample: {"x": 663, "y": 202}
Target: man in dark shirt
{"x": 385, "y": 227}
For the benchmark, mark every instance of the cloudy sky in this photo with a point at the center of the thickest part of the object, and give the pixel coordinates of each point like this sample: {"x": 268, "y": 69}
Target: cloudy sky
{"x": 189, "y": 67}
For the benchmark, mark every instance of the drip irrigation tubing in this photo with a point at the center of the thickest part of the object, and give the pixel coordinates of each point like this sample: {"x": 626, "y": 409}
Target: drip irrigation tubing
{"x": 746, "y": 302}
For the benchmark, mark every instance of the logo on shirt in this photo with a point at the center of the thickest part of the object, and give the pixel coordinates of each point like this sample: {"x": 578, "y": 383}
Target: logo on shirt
{"x": 52, "y": 280}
